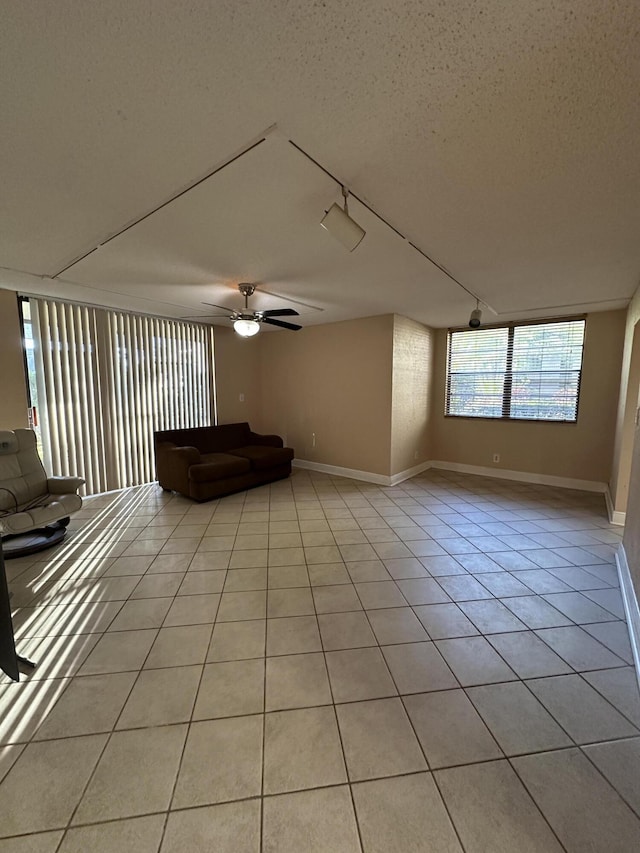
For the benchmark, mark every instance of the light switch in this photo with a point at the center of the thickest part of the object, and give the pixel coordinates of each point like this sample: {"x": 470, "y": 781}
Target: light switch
{"x": 242, "y": 398}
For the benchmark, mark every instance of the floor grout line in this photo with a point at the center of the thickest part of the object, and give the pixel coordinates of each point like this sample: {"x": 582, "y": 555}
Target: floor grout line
{"x": 335, "y": 503}
{"x": 337, "y": 725}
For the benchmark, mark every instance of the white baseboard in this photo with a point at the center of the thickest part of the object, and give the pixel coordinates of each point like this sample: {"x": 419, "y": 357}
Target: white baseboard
{"x": 498, "y": 473}
{"x": 337, "y": 471}
{"x": 365, "y": 476}
{"x": 394, "y": 479}
{"x": 523, "y": 476}
{"x": 631, "y": 607}
{"x": 615, "y": 517}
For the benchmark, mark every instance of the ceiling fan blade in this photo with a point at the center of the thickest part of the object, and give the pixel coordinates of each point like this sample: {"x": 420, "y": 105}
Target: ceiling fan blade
{"x": 283, "y": 312}
{"x": 205, "y": 316}
{"x": 224, "y": 307}
{"x": 291, "y": 326}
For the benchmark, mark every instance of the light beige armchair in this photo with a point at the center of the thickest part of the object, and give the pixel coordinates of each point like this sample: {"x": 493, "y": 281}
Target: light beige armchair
{"x": 29, "y": 500}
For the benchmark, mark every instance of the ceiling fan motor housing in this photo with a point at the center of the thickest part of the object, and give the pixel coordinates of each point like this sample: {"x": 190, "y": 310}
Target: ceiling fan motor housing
{"x": 255, "y": 318}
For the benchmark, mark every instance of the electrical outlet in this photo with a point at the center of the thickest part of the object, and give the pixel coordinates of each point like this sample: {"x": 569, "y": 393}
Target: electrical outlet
{"x": 415, "y": 455}
{"x": 242, "y": 398}
{"x": 496, "y": 457}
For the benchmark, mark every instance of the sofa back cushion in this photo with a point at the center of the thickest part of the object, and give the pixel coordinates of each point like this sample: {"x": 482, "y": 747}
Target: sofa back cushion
{"x": 22, "y": 477}
{"x": 214, "y": 439}
{"x": 263, "y": 458}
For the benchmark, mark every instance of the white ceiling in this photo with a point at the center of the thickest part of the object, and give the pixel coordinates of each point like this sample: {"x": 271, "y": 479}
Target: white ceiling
{"x": 499, "y": 137}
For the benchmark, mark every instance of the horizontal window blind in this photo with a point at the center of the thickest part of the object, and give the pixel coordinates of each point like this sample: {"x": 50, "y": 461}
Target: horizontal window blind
{"x": 518, "y": 372}
{"x": 107, "y": 380}
{"x": 477, "y": 364}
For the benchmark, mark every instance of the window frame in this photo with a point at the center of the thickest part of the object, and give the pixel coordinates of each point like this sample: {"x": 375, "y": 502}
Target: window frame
{"x": 508, "y": 372}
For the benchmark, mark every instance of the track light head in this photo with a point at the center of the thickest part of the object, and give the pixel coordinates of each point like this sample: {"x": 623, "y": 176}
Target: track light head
{"x": 475, "y": 319}
{"x": 341, "y": 226}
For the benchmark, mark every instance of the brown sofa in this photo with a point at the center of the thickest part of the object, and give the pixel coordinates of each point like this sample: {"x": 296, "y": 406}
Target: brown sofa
{"x": 207, "y": 462}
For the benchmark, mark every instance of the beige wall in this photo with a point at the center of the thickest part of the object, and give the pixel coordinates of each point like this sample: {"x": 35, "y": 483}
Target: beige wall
{"x": 581, "y": 451}
{"x": 627, "y": 406}
{"x": 411, "y": 394}
{"x": 335, "y": 381}
{"x": 372, "y": 391}
{"x": 625, "y": 476}
{"x": 237, "y": 374}
{"x": 13, "y": 390}
{"x": 631, "y": 539}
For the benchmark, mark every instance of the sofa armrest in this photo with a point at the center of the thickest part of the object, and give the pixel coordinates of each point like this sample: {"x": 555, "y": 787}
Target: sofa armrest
{"x": 182, "y": 457}
{"x": 172, "y": 466}
{"x": 266, "y": 440}
{"x": 64, "y": 485}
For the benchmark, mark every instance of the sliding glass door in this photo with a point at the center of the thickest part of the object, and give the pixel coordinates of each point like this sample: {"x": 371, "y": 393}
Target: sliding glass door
{"x": 106, "y": 380}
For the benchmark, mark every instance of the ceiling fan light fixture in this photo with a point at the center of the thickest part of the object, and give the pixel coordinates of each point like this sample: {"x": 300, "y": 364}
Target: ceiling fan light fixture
{"x": 341, "y": 226}
{"x": 246, "y": 328}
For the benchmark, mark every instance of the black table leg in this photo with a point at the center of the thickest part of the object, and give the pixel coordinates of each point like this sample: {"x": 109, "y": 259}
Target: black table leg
{"x": 10, "y": 661}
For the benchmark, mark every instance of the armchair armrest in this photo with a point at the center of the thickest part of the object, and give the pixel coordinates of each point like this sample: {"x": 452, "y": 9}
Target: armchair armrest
{"x": 266, "y": 440}
{"x": 64, "y": 485}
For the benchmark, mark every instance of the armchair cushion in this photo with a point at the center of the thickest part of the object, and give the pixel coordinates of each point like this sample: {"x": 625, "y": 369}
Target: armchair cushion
{"x": 22, "y": 477}
{"x": 40, "y": 516}
{"x": 8, "y": 442}
{"x": 28, "y": 499}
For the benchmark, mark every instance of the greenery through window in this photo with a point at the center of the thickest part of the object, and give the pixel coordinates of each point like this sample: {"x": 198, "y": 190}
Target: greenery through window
{"x": 519, "y": 372}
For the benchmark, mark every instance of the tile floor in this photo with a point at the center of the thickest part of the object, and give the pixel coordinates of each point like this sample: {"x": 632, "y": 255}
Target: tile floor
{"x": 325, "y": 665}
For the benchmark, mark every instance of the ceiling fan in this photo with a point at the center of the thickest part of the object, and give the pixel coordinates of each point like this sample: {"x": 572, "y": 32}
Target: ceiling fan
{"x": 246, "y": 322}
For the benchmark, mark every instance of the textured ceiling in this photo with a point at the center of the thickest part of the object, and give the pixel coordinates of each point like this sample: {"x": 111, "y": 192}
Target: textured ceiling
{"x": 499, "y": 137}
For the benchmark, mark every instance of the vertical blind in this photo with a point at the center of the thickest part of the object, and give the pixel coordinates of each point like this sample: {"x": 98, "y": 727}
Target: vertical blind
{"x": 107, "y": 380}
{"x": 69, "y": 391}
{"x": 518, "y": 372}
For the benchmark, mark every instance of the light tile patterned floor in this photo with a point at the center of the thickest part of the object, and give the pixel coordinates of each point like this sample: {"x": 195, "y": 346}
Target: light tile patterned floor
{"x": 325, "y": 665}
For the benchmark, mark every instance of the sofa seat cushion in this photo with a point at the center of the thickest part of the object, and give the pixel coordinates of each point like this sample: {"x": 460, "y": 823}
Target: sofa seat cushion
{"x": 263, "y": 457}
{"x": 218, "y": 466}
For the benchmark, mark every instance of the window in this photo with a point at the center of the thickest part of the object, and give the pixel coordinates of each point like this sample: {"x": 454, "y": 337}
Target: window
{"x": 519, "y": 372}
{"x": 104, "y": 381}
